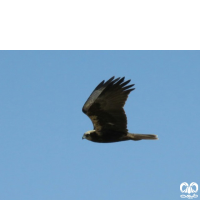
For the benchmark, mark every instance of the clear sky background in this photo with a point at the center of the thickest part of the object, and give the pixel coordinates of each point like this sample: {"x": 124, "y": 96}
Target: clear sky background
{"x": 42, "y": 154}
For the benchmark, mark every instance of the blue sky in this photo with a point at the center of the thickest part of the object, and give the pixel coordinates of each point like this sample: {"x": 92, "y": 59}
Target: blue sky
{"x": 42, "y": 152}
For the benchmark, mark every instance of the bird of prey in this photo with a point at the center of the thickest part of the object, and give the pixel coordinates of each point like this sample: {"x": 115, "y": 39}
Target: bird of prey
{"x": 105, "y": 109}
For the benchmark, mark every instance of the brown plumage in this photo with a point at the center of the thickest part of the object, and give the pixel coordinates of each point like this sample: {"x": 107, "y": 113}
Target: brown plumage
{"x": 105, "y": 109}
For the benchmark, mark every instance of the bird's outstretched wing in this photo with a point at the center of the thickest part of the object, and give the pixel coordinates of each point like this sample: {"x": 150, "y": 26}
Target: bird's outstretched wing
{"x": 105, "y": 105}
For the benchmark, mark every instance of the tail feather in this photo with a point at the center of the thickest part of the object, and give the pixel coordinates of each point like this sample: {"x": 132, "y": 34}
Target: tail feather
{"x": 133, "y": 136}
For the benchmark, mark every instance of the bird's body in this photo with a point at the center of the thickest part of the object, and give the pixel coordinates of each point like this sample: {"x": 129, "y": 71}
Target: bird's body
{"x": 105, "y": 109}
{"x": 105, "y": 136}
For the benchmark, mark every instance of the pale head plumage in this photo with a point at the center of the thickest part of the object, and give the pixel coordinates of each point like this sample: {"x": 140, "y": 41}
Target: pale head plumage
{"x": 87, "y": 135}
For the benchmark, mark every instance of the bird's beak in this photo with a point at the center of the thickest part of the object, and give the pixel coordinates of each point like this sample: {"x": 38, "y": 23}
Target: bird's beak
{"x": 83, "y": 137}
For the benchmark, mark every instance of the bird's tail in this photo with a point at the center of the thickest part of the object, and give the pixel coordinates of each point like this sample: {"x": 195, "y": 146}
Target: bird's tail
{"x": 133, "y": 136}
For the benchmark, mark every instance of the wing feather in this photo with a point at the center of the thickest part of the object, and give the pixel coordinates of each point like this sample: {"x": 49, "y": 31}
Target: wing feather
{"x": 105, "y": 105}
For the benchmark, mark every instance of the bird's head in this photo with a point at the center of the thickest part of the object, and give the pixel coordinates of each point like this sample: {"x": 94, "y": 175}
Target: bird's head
{"x": 87, "y": 135}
